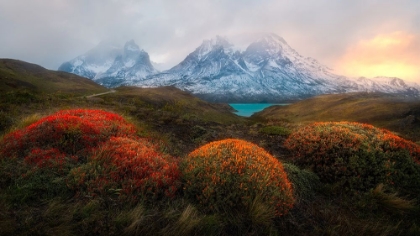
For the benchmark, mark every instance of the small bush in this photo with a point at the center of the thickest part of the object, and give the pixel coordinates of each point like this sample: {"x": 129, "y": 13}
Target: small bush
{"x": 228, "y": 176}
{"x": 129, "y": 168}
{"x": 353, "y": 155}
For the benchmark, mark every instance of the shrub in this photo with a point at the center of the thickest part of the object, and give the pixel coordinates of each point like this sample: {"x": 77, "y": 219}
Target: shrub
{"x": 69, "y": 131}
{"x": 36, "y": 159}
{"x": 129, "y": 168}
{"x": 353, "y": 155}
{"x": 229, "y": 175}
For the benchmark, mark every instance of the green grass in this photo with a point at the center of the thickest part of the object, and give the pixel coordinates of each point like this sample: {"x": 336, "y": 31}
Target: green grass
{"x": 275, "y": 130}
{"x": 15, "y": 75}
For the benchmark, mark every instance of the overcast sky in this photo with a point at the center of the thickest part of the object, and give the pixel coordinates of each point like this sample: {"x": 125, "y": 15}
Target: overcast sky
{"x": 353, "y": 37}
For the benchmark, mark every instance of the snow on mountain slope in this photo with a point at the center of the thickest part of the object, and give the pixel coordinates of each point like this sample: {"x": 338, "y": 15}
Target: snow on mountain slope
{"x": 112, "y": 66}
{"x": 269, "y": 70}
{"x": 129, "y": 67}
{"x": 95, "y": 61}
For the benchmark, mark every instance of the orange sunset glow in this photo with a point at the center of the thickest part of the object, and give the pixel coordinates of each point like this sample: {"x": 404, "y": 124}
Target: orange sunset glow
{"x": 395, "y": 54}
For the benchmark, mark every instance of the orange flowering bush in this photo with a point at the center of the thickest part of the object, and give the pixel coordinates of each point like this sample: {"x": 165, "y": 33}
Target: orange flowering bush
{"x": 228, "y": 175}
{"x": 129, "y": 168}
{"x": 354, "y": 155}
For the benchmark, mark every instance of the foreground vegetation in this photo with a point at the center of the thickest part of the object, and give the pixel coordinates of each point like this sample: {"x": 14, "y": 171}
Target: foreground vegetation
{"x": 161, "y": 162}
{"x": 91, "y": 172}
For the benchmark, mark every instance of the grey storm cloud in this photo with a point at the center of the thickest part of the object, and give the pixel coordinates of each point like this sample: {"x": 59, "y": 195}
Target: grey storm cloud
{"x": 49, "y": 32}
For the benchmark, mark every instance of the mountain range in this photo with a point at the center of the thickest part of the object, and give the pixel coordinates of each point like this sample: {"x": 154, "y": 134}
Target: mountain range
{"x": 112, "y": 66}
{"x": 269, "y": 70}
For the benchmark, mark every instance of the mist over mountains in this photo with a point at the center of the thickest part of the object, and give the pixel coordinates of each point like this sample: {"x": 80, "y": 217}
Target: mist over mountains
{"x": 269, "y": 70}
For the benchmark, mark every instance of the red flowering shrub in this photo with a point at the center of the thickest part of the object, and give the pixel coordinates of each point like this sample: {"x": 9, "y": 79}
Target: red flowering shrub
{"x": 228, "y": 175}
{"x": 36, "y": 160}
{"x": 353, "y": 155}
{"x": 127, "y": 167}
{"x": 70, "y": 132}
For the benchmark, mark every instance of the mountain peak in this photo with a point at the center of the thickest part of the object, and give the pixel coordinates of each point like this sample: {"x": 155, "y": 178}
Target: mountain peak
{"x": 270, "y": 44}
{"x": 219, "y": 41}
{"x": 272, "y": 38}
{"x": 112, "y": 66}
{"x": 209, "y": 45}
{"x": 131, "y": 46}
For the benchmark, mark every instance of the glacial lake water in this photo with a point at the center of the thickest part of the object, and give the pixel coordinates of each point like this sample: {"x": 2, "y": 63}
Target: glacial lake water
{"x": 247, "y": 109}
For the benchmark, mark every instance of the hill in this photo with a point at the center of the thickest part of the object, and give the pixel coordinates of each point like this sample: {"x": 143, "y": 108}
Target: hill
{"x": 394, "y": 112}
{"x": 20, "y": 75}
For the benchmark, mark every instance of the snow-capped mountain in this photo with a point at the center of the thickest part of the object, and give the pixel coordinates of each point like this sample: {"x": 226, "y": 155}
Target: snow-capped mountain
{"x": 112, "y": 66}
{"x": 269, "y": 70}
{"x": 94, "y": 62}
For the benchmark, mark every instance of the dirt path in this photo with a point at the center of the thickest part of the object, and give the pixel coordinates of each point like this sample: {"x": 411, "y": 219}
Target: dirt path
{"x": 99, "y": 94}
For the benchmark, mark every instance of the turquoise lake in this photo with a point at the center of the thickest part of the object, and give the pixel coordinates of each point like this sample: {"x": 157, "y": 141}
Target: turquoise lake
{"x": 247, "y": 109}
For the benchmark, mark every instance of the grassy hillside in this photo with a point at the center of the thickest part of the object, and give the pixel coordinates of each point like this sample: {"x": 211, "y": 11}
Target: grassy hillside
{"x": 393, "y": 112}
{"x": 19, "y": 75}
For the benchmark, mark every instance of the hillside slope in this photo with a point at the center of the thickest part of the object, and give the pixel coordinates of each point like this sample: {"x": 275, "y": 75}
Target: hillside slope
{"x": 16, "y": 75}
{"x": 397, "y": 113}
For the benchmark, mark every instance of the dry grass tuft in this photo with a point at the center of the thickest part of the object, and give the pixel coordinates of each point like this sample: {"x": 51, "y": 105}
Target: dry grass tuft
{"x": 391, "y": 202}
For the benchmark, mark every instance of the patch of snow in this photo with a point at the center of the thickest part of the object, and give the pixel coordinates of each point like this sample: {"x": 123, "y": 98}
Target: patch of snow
{"x": 132, "y": 48}
{"x": 78, "y": 62}
{"x": 252, "y": 67}
{"x": 129, "y": 63}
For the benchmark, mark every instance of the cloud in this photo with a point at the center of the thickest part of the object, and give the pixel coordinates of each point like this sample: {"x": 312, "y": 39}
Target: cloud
{"x": 396, "y": 54}
{"x": 49, "y": 32}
